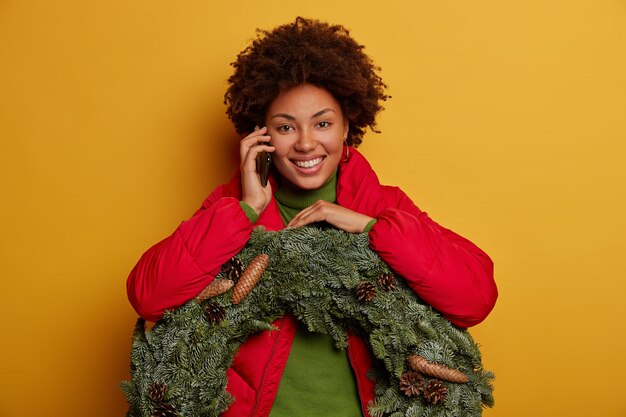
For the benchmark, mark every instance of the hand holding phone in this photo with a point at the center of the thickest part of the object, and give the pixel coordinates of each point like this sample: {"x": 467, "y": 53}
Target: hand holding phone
{"x": 255, "y": 169}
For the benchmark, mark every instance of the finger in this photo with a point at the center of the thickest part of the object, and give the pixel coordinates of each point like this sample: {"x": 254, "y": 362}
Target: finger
{"x": 300, "y": 214}
{"x": 251, "y": 141}
{"x": 249, "y": 159}
{"x": 313, "y": 213}
{"x": 318, "y": 205}
{"x": 309, "y": 218}
{"x": 254, "y": 139}
{"x": 257, "y": 132}
{"x": 253, "y": 148}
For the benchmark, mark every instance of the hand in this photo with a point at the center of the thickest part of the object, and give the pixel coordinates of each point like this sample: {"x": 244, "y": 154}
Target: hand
{"x": 253, "y": 194}
{"x": 340, "y": 217}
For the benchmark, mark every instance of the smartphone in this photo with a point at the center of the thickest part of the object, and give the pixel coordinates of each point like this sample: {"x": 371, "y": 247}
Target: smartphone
{"x": 263, "y": 163}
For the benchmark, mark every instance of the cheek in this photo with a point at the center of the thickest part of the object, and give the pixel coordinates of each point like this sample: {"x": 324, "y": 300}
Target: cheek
{"x": 334, "y": 144}
{"x": 281, "y": 149}
{"x": 281, "y": 146}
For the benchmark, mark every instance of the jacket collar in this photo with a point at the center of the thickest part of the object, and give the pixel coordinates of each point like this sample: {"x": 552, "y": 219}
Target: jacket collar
{"x": 358, "y": 187}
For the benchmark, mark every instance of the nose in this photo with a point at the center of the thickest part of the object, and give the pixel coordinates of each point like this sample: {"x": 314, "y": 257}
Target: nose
{"x": 306, "y": 141}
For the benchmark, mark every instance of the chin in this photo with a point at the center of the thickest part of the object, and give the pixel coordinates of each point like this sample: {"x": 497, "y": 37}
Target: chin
{"x": 309, "y": 184}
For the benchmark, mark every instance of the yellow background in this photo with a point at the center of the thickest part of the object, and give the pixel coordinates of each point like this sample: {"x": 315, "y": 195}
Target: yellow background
{"x": 506, "y": 125}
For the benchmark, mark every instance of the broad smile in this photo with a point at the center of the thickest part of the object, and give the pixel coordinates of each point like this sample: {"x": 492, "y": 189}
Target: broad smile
{"x": 309, "y": 163}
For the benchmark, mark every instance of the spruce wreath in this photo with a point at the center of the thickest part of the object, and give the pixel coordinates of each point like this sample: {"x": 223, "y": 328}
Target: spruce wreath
{"x": 331, "y": 281}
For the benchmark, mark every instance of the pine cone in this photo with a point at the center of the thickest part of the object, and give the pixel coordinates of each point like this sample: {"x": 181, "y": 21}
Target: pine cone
{"x": 365, "y": 292}
{"x": 387, "y": 282}
{"x": 156, "y": 391}
{"x": 435, "y": 391}
{"x": 216, "y": 287}
{"x": 233, "y": 268}
{"x": 214, "y": 312}
{"x": 164, "y": 410}
{"x": 250, "y": 277}
{"x": 411, "y": 383}
{"x": 420, "y": 364}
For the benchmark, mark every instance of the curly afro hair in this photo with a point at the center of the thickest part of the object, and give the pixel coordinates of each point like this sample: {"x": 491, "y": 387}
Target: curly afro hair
{"x": 305, "y": 51}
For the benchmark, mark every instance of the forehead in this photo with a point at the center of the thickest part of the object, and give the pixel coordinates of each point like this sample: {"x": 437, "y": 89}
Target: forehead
{"x": 303, "y": 101}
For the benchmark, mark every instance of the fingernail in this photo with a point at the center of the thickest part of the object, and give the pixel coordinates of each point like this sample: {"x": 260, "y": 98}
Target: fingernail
{"x": 256, "y": 127}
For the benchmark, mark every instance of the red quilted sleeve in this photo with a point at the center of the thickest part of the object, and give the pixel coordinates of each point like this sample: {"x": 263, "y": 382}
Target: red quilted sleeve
{"x": 176, "y": 269}
{"x": 446, "y": 270}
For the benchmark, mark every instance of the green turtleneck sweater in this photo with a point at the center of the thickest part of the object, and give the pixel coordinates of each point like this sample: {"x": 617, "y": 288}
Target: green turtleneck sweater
{"x": 318, "y": 379}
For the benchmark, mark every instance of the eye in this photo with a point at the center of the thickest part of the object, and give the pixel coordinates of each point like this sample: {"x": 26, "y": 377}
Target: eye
{"x": 324, "y": 124}
{"x": 284, "y": 128}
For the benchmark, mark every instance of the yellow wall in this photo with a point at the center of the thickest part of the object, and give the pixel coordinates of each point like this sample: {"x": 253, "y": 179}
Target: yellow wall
{"x": 506, "y": 125}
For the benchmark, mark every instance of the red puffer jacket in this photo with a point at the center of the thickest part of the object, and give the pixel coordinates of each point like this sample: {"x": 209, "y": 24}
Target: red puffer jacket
{"x": 447, "y": 271}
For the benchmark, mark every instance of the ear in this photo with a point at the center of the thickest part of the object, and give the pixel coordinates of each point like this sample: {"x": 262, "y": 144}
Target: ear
{"x": 346, "y": 127}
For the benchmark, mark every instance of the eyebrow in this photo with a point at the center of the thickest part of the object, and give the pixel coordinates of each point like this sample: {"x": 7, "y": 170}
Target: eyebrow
{"x": 318, "y": 114}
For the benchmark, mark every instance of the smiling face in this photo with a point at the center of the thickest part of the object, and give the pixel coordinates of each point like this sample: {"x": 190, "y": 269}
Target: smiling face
{"x": 307, "y": 129}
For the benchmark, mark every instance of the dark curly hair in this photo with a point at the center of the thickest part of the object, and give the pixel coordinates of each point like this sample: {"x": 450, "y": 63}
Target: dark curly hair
{"x": 305, "y": 51}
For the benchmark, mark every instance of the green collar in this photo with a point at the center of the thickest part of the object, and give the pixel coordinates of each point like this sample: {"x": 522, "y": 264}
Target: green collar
{"x": 291, "y": 196}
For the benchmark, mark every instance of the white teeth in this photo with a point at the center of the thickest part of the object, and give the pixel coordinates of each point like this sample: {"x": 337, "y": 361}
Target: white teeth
{"x": 308, "y": 164}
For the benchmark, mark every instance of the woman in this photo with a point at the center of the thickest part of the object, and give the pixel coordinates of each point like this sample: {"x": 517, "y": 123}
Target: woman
{"x": 306, "y": 92}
